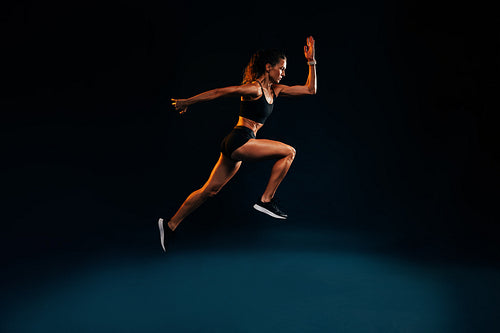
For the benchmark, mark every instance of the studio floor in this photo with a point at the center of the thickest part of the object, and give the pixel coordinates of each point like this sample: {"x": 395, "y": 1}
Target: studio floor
{"x": 287, "y": 279}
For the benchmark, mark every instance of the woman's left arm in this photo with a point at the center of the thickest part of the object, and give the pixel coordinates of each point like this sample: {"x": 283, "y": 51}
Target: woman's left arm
{"x": 310, "y": 87}
{"x": 249, "y": 89}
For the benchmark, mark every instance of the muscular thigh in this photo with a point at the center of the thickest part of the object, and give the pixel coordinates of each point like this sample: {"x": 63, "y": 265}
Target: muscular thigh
{"x": 223, "y": 171}
{"x": 257, "y": 149}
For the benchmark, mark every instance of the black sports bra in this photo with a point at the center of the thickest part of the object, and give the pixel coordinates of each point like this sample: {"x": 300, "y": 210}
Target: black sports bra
{"x": 257, "y": 110}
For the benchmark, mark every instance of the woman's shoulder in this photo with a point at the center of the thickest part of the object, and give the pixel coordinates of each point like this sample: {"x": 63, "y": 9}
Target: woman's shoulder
{"x": 254, "y": 83}
{"x": 277, "y": 88}
{"x": 255, "y": 88}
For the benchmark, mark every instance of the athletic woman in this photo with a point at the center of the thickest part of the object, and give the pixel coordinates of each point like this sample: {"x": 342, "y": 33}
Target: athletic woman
{"x": 259, "y": 90}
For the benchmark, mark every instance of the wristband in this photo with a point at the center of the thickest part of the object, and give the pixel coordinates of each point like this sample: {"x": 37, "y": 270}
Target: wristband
{"x": 312, "y": 62}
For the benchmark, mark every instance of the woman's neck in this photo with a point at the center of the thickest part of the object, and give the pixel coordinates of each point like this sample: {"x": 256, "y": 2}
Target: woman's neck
{"x": 265, "y": 81}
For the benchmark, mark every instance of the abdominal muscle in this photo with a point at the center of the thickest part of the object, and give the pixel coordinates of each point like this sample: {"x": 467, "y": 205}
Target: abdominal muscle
{"x": 253, "y": 125}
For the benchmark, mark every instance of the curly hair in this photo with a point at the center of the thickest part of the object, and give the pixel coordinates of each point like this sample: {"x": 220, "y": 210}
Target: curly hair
{"x": 257, "y": 65}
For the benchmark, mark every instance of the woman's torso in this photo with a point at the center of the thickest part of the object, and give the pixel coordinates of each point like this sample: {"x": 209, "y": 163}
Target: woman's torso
{"x": 254, "y": 112}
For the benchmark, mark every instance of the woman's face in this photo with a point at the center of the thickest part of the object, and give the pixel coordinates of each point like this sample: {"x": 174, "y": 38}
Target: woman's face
{"x": 277, "y": 72}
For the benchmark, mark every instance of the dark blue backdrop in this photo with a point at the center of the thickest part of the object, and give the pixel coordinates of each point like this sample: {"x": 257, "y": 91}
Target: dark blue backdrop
{"x": 400, "y": 142}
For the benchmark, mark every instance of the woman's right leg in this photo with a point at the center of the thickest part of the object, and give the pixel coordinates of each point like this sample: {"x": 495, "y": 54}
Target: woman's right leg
{"x": 223, "y": 171}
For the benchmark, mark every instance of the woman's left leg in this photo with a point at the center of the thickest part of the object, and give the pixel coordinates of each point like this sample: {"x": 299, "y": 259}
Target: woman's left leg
{"x": 258, "y": 149}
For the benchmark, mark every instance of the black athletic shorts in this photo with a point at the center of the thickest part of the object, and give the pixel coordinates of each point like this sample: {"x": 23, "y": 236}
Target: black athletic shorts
{"x": 235, "y": 139}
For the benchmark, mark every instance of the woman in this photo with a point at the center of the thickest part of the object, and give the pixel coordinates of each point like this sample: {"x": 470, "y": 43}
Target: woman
{"x": 258, "y": 92}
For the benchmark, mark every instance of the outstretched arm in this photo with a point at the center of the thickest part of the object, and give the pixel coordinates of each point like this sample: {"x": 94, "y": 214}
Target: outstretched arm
{"x": 311, "y": 84}
{"x": 243, "y": 90}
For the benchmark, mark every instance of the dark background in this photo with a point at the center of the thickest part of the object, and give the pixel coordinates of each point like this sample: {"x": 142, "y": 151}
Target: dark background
{"x": 401, "y": 139}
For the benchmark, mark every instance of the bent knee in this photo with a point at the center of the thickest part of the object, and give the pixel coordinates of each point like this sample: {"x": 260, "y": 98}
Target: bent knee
{"x": 291, "y": 153}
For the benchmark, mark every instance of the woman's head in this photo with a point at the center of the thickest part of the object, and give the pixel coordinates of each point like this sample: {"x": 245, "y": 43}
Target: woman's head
{"x": 265, "y": 61}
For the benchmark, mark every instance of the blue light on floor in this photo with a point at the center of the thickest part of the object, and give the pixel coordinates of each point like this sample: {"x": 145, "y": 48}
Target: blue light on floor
{"x": 242, "y": 291}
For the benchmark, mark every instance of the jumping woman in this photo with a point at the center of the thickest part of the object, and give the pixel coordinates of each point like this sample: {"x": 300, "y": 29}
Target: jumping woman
{"x": 258, "y": 92}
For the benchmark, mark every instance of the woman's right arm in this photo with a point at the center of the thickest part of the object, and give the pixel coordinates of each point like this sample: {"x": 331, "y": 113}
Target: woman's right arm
{"x": 249, "y": 89}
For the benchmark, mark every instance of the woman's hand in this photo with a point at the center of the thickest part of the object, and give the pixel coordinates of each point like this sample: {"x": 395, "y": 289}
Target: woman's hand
{"x": 309, "y": 49}
{"x": 180, "y": 105}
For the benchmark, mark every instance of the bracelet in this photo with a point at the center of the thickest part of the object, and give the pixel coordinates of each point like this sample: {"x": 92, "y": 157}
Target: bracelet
{"x": 312, "y": 62}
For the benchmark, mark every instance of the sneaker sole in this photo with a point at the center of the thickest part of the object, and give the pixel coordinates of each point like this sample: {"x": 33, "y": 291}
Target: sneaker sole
{"x": 268, "y": 212}
{"x": 162, "y": 234}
